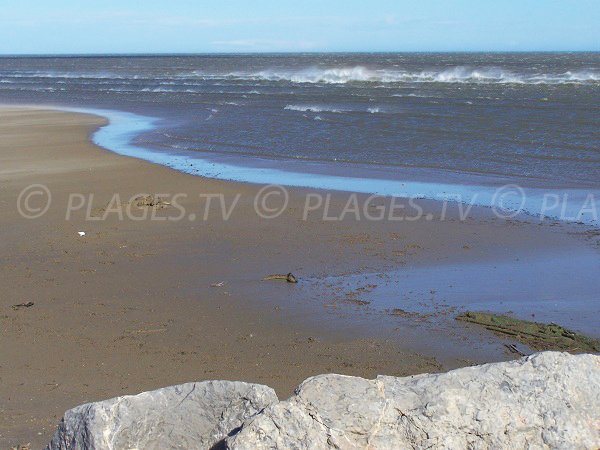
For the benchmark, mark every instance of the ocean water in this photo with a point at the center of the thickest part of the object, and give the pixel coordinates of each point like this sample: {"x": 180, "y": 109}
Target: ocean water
{"x": 453, "y": 118}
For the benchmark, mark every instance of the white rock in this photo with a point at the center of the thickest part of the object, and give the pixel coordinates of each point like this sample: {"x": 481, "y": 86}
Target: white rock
{"x": 548, "y": 400}
{"x": 188, "y": 416}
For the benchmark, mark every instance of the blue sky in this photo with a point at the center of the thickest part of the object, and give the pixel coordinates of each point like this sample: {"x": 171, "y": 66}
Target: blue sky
{"x": 187, "y": 26}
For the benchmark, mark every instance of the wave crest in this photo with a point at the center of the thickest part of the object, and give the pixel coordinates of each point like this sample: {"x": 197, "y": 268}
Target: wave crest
{"x": 332, "y": 109}
{"x": 458, "y": 74}
{"x": 313, "y": 108}
{"x": 332, "y": 75}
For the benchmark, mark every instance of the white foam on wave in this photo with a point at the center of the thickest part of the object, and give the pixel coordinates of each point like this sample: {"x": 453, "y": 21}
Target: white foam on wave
{"x": 567, "y": 77}
{"x": 314, "y": 75}
{"x": 330, "y": 109}
{"x": 457, "y": 74}
{"x": 411, "y": 95}
{"x": 342, "y": 75}
{"x": 315, "y": 108}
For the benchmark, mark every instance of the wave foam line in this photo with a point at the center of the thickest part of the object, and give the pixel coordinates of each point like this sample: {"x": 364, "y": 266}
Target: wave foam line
{"x": 315, "y": 108}
{"x": 330, "y": 109}
{"x": 342, "y": 75}
{"x": 459, "y": 74}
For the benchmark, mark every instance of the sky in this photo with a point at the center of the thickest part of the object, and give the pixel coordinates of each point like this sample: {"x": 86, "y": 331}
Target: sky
{"x": 188, "y": 26}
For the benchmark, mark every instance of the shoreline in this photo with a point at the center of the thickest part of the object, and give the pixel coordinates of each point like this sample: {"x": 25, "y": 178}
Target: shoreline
{"x": 135, "y": 305}
{"x": 509, "y": 198}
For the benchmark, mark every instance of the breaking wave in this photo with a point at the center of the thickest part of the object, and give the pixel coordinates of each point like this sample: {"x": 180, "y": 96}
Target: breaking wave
{"x": 330, "y": 109}
{"x": 460, "y": 74}
{"x": 339, "y": 75}
{"x": 315, "y": 108}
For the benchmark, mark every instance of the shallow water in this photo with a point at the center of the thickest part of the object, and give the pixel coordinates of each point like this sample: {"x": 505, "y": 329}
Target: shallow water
{"x": 548, "y": 286}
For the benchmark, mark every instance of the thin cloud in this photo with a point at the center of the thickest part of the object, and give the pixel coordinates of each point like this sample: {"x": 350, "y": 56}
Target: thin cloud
{"x": 266, "y": 44}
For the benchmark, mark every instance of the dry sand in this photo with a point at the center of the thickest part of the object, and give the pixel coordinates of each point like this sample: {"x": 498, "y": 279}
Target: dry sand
{"x": 130, "y": 307}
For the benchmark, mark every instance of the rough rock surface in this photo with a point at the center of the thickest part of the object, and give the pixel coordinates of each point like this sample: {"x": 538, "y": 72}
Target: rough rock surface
{"x": 188, "y": 416}
{"x": 547, "y": 400}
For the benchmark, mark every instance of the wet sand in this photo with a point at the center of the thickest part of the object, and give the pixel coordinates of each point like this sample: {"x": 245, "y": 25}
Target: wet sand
{"x": 140, "y": 304}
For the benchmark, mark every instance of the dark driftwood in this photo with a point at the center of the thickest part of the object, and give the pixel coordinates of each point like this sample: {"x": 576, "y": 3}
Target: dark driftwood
{"x": 290, "y": 278}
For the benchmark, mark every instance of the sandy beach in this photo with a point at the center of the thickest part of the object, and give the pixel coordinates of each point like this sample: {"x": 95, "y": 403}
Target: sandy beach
{"x": 135, "y": 305}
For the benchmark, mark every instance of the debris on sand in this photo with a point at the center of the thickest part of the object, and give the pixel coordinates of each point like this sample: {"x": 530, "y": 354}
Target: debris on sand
{"x": 22, "y": 305}
{"x": 151, "y": 201}
{"x": 290, "y": 278}
{"x": 402, "y": 313}
{"x": 514, "y": 349}
{"x": 357, "y": 301}
{"x": 21, "y": 447}
{"x": 539, "y": 336}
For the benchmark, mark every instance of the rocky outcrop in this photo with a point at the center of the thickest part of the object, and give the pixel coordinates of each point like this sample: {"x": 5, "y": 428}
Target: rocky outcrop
{"x": 547, "y": 400}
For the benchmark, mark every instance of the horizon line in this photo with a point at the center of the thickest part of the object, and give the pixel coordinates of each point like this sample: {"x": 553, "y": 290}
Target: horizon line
{"x": 283, "y": 52}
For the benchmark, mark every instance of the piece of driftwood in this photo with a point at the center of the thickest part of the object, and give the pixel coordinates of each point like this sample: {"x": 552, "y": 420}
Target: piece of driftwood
{"x": 23, "y": 305}
{"x": 513, "y": 349}
{"x": 290, "y": 278}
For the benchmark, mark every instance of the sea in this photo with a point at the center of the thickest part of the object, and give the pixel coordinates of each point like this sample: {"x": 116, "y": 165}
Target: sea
{"x": 364, "y": 122}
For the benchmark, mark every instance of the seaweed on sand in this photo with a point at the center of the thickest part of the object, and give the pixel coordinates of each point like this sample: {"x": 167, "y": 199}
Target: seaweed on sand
{"x": 538, "y": 336}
